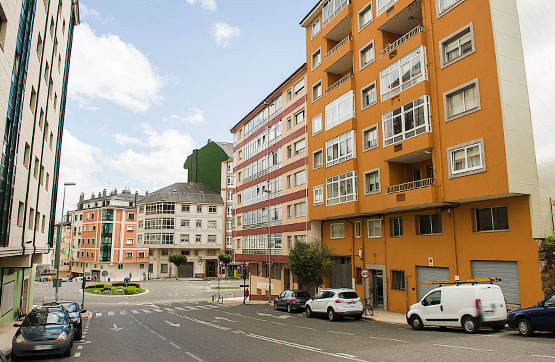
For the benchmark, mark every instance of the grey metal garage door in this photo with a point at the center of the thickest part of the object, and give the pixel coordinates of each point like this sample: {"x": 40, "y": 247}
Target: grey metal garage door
{"x": 185, "y": 270}
{"x": 506, "y": 270}
{"x": 429, "y": 274}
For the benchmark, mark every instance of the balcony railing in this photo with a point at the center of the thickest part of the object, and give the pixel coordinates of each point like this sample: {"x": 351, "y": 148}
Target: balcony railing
{"x": 392, "y": 46}
{"x": 413, "y": 185}
{"x": 262, "y": 251}
{"x": 339, "y": 82}
{"x": 347, "y": 39}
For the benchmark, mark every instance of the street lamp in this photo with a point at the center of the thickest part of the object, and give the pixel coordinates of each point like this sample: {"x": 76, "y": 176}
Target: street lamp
{"x": 57, "y": 251}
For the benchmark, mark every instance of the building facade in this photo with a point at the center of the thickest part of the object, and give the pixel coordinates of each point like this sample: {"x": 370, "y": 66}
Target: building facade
{"x": 270, "y": 157}
{"x": 420, "y": 112}
{"x": 186, "y": 219}
{"x": 64, "y": 228}
{"x": 35, "y": 49}
{"x": 104, "y": 237}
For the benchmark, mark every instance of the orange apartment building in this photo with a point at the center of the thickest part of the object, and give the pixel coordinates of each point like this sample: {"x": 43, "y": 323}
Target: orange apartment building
{"x": 270, "y": 158}
{"x": 421, "y": 154}
{"x": 104, "y": 237}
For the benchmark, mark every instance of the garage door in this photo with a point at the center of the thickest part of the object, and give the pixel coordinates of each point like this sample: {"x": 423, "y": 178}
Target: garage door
{"x": 429, "y": 274}
{"x": 506, "y": 270}
{"x": 185, "y": 270}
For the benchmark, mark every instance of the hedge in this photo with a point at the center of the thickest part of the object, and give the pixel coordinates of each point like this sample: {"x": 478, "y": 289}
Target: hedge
{"x": 131, "y": 289}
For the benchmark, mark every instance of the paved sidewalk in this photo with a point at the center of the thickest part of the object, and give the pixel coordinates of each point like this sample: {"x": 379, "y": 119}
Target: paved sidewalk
{"x": 388, "y": 317}
{"x": 7, "y": 331}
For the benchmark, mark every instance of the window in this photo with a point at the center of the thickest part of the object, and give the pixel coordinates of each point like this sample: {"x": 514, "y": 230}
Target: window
{"x": 20, "y": 214}
{"x": 289, "y": 181}
{"x": 299, "y": 117}
{"x": 198, "y": 239}
{"x": 340, "y": 109}
{"x": 211, "y": 209}
{"x": 130, "y": 228}
{"x": 33, "y": 101}
{"x": 290, "y": 242}
{"x": 229, "y": 211}
{"x": 26, "y": 155}
{"x": 462, "y": 100}
{"x": 357, "y": 230}
{"x": 299, "y": 146}
{"x": 372, "y": 182}
{"x": 370, "y": 138}
{"x": 368, "y": 96}
{"x": 129, "y": 241}
{"x": 128, "y": 254}
{"x": 340, "y": 148}
{"x": 317, "y": 159}
{"x": 36, "y": 169}
{"x": 229, "y": 226}
{"x": 317, "y": 124}
{"x": 316, "y": 93}
{"x": 31, "y": 218}
{"x": 289, "y": 95}
{"x": 184, "y": 238}
{"x": 403, "y": 74}
{"x": 457, "y": 46}
{"x": 212, "y": 224}
{"x": 383, "y": 5}
{"x": 315, "y": 28}
{"x": 365, "y": 16}
{"x": 199, "y": 209}
{"x": 199, "y": 224}
{"x": 491, "y": 219}
{"x": 318, "y": 192}
{"x": 331, "y": 8}
{"x": 397, "y": 226}
{"x": 428, "y": 224}
{"x": 130, "y": 216}
{"x": 433, "y": 298}
{"x": 212, "y": 239}
{"x": 300, "y": 209}
{"x": 445, "y": 5}
{"x": 299, "y": 87}
{"x": 466, "y": 159}
{"x": 337, "y": 231}
{"x": 406, "y": 122}
{"x": 230, "y": 167}
{"x": 366, "y": 55}
{"x": 374, "y": 228}
{"x": 300, "y": 178}
{"x": 230, "y": 183}
{"x": 341, "y": 188}
{"x": 316, "y": 58}
{"x": 289, "y": 211}
{"x": 398, "y": 280}
{"x": 185, "y": 223}
{"x": 164, "y": 268}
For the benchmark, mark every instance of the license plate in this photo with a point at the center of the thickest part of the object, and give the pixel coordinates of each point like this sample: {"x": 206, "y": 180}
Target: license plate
{"x": 42, "y": 347}
{"x": 351, "y": 302}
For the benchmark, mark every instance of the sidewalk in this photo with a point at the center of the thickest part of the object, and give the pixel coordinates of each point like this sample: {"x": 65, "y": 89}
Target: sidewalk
{"x": 387, "y": 317}
{"x": 7, "y": 331}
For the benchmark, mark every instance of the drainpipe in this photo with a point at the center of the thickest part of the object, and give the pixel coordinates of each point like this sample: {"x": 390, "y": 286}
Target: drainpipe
{"x": 451, "y": 212}
{"x": 552, "y": 218}
{"x": 353, "y": 252}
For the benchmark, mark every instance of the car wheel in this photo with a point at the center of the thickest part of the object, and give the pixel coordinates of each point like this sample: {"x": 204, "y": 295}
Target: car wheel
{"x": 525, "y": 328}
{"x": 416, "y": 323}
{"x": 470, "y": 325}
{"x": 308, "y": 312}
{"x": 332, "y": 316}
{"x": 67, "y": 352}
{"x": 288, "y": 308}
{"x": 275, "y": 306}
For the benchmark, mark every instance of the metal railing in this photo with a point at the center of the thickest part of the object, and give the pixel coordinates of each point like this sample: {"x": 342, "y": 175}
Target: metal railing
{"x": 338, "y": 83}
{"x": 392, "y": 46}
{"x": 347, "y": 39}
{"x": 413, "y": 185}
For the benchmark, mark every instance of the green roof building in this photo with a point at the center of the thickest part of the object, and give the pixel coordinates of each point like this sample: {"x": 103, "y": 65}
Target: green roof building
{"x": 205, "y": 164}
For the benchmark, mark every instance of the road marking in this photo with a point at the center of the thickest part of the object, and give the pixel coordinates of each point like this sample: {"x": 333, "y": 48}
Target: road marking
{"x": 193, "y": 356}
{"x": 79, "y": 347}
{"x": 349, "y": 334}
{"x": 146, "y": 311}
{"x": 175, "y": 345}
{"x": 110, "y": 313}
{"x": 153, "y": 331}
{"x": 273, "y": 316}
{"x": 312, "y": 329}
{"x": 244, "y": 316}
{"x": 172, "y": 324}
{"x": 169, "y": 309}
{"x": 389, "y": 339}
{"x": 281, "y": 324}
{"x": 181, "y": 309}
{"x": 157, "y": 310}
{"x": 461, "y": 347}
{"x": 122, "y": 312}
{"x": 115, "y": 329}
{"x": 224, "y": 319}
{"x": 202, "y": 307}
{"x": 98, "y": 314}
{"x": 77, "y": 354}
{"x": 347, "y": 355}
{"x": 540, "y": 356}
{"x": 134, "y": 311}
{"x": 162, "y": 338}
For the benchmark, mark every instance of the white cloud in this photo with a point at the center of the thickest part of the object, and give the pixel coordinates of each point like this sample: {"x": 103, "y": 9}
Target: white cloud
{"x": 206, "y": 4}
{"x": 107, "y": 68}
{"x": 86, "y": 12}
{"x": 224, "y": 33}
{"x": 124, "y": 140}
{"x": 194, "y": 116}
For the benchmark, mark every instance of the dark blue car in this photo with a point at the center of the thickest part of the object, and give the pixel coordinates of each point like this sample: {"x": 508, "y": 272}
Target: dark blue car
{"x": 538, "y": 318}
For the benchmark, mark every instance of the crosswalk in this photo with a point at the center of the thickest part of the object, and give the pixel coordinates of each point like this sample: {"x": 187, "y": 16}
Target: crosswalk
{"x": 156, "y": 309}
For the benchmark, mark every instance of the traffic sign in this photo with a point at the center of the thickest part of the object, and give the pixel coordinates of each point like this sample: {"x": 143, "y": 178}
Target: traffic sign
{"x": 105, "y": 273}
{"x": 126, "y": 280}
{"x": 94, "y": 278}
{"x": 365, "y": 273}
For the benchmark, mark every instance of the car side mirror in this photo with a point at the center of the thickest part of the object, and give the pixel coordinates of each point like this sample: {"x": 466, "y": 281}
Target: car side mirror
{"x": 16, "y": 325}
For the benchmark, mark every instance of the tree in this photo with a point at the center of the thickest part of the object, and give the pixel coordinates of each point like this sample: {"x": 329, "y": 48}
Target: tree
{"x": 547, "y": 256}
{"x": 225, "y": 258}
{"x": 311, "y": 263}
{"x": 177, "y": 260}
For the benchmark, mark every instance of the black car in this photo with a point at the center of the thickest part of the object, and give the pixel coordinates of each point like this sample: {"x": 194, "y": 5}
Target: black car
{"x": 291, "y": 300}
{"x": 541, "y": 317}
{"x": 75, "y": 316}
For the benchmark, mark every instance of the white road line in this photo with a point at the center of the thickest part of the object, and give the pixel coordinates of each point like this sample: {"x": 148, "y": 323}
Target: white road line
{"x": 146, "y": 311}
{"x": 110, "y": 313}
{"x": 312, "y": 329}
{"x": 157, "y": 310}
{"x": 175, "y": 345}
{"x": 98, "y": 314}
{"x": 169, "y": 309}
{"x": 79, "y": 347}
{"x": 202, "y": 307}
{"x": 349, "y": 334}
{"x": 181, "y": 309}
{"x": 347, "y": 355}
{"x": 281, "y": 324}
{"x": 390, "y": 339}
{"x": 461, "y": 347}
{"x": 122, "y": 312}
{"x": 77, "y": 354}
{"x": 540, "y": 356}
{"x": 193, "y": 356}
{"x": 134, "y": 311}
{"x": 162, "y": 338}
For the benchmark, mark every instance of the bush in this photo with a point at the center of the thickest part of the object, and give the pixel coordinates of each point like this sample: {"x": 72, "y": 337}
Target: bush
{"x": 97, "y": 286}
{"x": 118, "y": 284}
{"x": 136, "y": 285}
{"x": 131, "y": 289}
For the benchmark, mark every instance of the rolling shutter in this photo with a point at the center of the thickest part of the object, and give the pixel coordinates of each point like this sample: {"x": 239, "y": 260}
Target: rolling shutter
{"x": 429, "y": 274}
{"x": 507, "y": 271}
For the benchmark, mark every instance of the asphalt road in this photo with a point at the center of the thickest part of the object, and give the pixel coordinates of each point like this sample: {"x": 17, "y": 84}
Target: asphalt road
{"x": 197, "y": 330}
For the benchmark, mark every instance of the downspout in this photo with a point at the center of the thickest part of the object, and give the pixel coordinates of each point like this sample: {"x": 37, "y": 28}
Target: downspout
{"x": 552, "y": 219}
{"x": 451, "y": 212}
{"x": 353, "y": 253}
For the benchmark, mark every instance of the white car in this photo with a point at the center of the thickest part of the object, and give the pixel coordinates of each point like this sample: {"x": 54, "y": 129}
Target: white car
{"x": 466, "y": 306}
{"x": 336, "y": 303}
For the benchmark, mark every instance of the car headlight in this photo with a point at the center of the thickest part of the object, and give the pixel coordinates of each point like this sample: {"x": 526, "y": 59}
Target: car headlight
{"x": 62, "y": 336}
{"x": 20, "y": 339}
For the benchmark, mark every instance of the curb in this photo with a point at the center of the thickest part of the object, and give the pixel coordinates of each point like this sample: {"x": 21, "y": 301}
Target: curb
{"x": 115, "y": 295}
{"x": 374, "y": 319}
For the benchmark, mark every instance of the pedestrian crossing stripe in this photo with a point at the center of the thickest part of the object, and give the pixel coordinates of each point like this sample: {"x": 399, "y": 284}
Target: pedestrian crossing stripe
{"x": 122, "y": 312}
{"x": 99, "y": 314}
{"x": 146, "y": 311}
{"x": 134, "y": 311}
{"x": 110, "y": 313}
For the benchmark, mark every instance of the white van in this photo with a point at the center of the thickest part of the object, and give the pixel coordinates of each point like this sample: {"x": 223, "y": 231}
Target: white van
{"x": 467, "y": 306}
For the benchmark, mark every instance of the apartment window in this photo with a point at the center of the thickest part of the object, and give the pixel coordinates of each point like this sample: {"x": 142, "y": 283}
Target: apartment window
{"x": 31, "y": 218}
{"x": 398, "y": 279}
{"x": 367, "y": 55}
{"x": 290, "y": 242}
{"x": 383, "y": 5}
{"x": 229, "y": 211}
{"x": 289, "y": 184}
{"x": 331, "y": 8}
{"x": 466, "y": 159}
{"x": 318, "y": 192}
{"x": 315, "y": 28}
{"x": 316, "y": 94}
{"x": 141, "y": 254}
{"x": 341, "y": 188}
{"x": 300, "y": 209}
{"x": 357, "y": 229}
{"x": 370, "y": 138}
{"x": 372, "y": 182}
{"x": 337, "y": 230}
{"x": 130, "y": 228}
{"x": 230, "y": 167}
{"x": 491, "y": 219}
{"x": 230, "y": 183}
{"x": 212, "y": 224}
{"x": 299, "y": 117}
{"x": 164, "y": 253}
{"x": 299, "y": 146}
{"x": 289, "y": 95}
{"x": 316, "y": 58}
{"x": 317, "y": 159}
{"x": 300, "y": 178}
{"x": 185, "y": 208}
{"x": 289, "y": 211}
{"x": 185, "y": 223}
{"x": 365, "y": 16}
{"x": 374, "y": 228}
{"x": 368, "y": 96}
{"x": 199, "y": 209}
{"x": 340, "y": 148}
{"x": 36, "y": 169}
{"x": 199, "y": 224}
{"x": 198, "y": 239}
{"x": 238, "y": 220}
{"x": 457, "y": 46}
{"x": 129, "y": 255}
{"x": 211, "y": 209}
{"x": 164, "y": 268}
{"x": 299, "y": 87}
{"x": 403, "y": 74}
{"x": 212, "y": 239}
{"x": 462, "y": 100}
{"x": 184, "y": 238}
{"x": 229, "y": 226}
{"x": 26, "y": 155}
{"x": 20, "y": 214}
{"x": 39, "y": 46}
{"x": 428, "y": 224}
{"x": 340, "y": 109}
{"x": 33, "y": 101}
{"x": 406, "y": 122}
{"x": 317, "y": 124}
{"x": 446, "y": 5}
{"x": 396, "y": 226}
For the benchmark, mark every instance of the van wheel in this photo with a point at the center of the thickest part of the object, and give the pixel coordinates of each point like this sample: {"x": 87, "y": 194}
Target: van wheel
{"x": 332, "y": 316}
{"x": 525, "y": 328}
{"x": 308, "y": 312}
{"x": 470, "y": 325}
{"x": 416, "y": 323}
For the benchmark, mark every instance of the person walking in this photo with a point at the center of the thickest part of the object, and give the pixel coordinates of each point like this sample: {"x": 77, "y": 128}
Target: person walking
{"x": 246, "y": 295}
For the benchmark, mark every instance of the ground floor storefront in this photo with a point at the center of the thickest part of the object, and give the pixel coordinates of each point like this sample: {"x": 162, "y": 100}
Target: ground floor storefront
{"x": 200, "y": 263}
{"x": 16, "y": 292}
{"x": 110, "y": 272}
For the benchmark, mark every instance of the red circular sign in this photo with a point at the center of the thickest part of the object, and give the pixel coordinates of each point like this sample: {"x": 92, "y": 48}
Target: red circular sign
{"x": 365, "y": 273}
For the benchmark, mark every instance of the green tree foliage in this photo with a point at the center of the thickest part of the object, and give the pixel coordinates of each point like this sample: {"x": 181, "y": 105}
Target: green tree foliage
{"x": 178, "y": 259}
{"x": 547, "y": 255}
{"x": 311, "y": 263}
{"x": 225, "y": 258}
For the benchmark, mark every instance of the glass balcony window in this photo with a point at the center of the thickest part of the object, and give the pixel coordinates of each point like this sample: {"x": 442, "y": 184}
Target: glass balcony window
{"x": 407, "y": 121}
{"x": 404, "y": 73}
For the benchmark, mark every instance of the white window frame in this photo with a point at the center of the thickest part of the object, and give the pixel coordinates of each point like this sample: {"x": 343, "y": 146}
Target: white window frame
{"x": 314, "y": 167}
{"x": 467, "y": 170}
{"x": 302, "y": 179}
{"x": 362, "y": 66}
{"x": 456, "y": 37}
{"x": 301, "y": 207}
{"x": 440, "y": 12}
{"x": 298, "y": 113}
{"x": 317, "y": 121}
{"x": 386, "y": 5}
{"x": 375, "y": 97}
{"x": 331, "y": 231}
{"x": 379, "y": 189}
{"x": 299, "y": 87}
{"x": 314, "y": 99}
{"x": 404, "y": 134}
{"x": 447, "y": 99}
{"x": 347, "y": 138}
{"x": 318, "y": 195}
{"x": 395, "y": 70}
{"x": 327, "y": 15}
{"x": 299, "y": 150}
{"x": 341, "y": 198}
{"x": 333, "y": 107}
{"x": 370, "y": 129}
{"x": 369, "y": 5}
{"x": 312, "y": 64}
{"x": 379, "y": 221}
{"x": 312, "y": 26}
{"x": 358, "y": 229}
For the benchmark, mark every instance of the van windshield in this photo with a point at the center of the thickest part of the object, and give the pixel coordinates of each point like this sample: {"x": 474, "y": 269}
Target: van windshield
{"x": 348, "y": 295}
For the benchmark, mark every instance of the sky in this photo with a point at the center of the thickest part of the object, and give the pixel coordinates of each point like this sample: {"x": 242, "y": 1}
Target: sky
{"x": 151, "y": 80}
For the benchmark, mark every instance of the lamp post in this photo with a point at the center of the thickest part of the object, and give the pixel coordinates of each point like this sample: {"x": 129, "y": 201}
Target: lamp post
{"x": 57, "y": 252}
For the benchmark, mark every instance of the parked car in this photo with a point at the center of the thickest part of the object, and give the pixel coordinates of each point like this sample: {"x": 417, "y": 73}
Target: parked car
{"x": 291, "y": 300}
{"x": 541, "y": 317}
{"x": 45, "y": 330}
{"x": 467, "y": 306}
{"x": 336, "y": 303}
{"x": 74, "y": 312}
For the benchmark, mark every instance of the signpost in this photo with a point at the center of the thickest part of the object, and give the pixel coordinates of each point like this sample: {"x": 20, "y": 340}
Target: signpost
{"x": 126, "y": 281}
{"x": 104, "y": 274}
{"x": 364, "y": 273}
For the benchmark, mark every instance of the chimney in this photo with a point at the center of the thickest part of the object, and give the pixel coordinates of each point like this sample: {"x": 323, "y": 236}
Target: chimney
{"x": 193, "y": 177}
{"x": 99, "y": 195}
{"x": 81, "y": 199}
{"x": 136, "y": 196}
{"x": 115, "y": 191}
{"x": 104, "y": 193}
{"x": 92, "y": 195}
{"x": 209, "y": 140}
{"x": 146, "y": 194}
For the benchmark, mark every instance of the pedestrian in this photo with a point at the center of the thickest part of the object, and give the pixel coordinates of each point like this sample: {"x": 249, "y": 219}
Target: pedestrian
{"x": 246, "y": 295}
